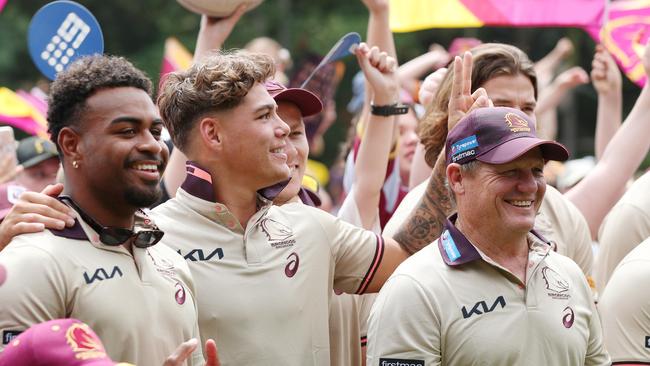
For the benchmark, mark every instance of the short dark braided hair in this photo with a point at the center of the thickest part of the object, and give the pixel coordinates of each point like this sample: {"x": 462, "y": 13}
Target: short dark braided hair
{"x": 84, "y": 77}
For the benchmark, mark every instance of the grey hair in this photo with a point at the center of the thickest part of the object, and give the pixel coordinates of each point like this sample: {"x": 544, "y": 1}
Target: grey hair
{"x": 468, "y": 168}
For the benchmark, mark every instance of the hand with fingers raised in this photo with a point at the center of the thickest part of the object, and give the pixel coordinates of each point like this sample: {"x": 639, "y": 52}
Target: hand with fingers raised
{"x": 462, "y": 101}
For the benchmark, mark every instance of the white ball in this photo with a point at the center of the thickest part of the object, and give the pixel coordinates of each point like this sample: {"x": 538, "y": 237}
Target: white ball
{"x": 216, "y": 8}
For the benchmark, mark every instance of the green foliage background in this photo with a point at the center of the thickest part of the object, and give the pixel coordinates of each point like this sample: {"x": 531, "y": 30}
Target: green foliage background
{"x": 137, "y": 29}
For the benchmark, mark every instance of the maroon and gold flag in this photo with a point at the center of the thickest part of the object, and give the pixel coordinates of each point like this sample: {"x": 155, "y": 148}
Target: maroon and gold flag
{"x": 625, "y": 34}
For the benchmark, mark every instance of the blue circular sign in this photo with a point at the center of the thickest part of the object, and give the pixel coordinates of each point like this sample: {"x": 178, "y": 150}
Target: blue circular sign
{"x": 61, "y": 32}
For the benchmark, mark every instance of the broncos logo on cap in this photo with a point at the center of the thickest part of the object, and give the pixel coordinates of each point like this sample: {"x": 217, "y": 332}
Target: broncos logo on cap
{"x": 84, "y": 342}
{"x": 516, "y": 123}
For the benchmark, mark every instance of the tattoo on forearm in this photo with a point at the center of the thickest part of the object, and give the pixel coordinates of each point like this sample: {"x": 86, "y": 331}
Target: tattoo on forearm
{"x": 425, "y": 223}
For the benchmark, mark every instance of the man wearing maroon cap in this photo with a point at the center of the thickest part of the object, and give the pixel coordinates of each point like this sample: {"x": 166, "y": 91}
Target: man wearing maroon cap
{"x": 293, "y": 105}
{"x": 490, "y": 290}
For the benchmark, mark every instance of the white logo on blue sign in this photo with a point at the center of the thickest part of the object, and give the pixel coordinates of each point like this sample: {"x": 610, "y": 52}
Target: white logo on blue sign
{"x": 450, "y": 246}
{"x": 59, "y": 33}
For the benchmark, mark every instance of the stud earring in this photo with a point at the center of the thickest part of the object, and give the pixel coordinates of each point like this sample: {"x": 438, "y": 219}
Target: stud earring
{"x": 75, "y": 164}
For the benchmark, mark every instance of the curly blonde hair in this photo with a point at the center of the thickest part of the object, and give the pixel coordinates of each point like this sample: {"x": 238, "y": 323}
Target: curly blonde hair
{"x": 489, "y": 60}
{"x": 218, "y": 82}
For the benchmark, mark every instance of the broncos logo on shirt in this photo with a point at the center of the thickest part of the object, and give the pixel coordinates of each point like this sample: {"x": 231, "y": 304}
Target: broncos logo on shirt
{"x": 278, "y": 234}
{"x": 554, "y": 282}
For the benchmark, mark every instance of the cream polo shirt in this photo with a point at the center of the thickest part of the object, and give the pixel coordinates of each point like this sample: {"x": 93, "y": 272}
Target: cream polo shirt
{"x": 263, "y": 291}
{"x": 558, "y": 220}
{"x": 625, "y": 309}
{"x": 449, "y": 304}
{"x": 626, "y": 225}
{"x": 141, "y": 306}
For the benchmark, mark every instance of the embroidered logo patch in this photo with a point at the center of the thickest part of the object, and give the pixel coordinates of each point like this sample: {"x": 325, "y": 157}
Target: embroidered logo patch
{"x": 278, "y": 234}
{"x": 163, "y": 266}
{"x": 516, "y": 123}
{"x": 83, "y": 342}
{"x": 568, "y": 317}
{"x": 557, "y": 286}
{"x": 292, "y": 267}
{"x": 179, "y": 295}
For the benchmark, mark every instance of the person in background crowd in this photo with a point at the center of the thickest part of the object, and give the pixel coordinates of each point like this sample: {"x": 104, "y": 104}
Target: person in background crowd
{"x": 40, "y": 163}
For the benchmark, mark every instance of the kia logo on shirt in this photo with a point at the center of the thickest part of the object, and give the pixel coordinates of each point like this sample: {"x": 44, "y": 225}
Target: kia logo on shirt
{"x": 198, "y": 255}
{"x": 101, "y": 274}
{"x": 481, "y": 307}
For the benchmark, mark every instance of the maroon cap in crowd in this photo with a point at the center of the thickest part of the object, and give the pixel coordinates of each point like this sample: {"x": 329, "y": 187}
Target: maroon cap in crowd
{"x": 308, "y": 103}
{"x": 59, "y": 342}
{"x": 497, "y": 135}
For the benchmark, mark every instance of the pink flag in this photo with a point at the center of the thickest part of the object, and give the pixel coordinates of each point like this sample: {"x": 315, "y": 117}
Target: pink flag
{"x": 625, "y": 35}
{"x": 2, "y": 4}
{"x": 412, "y": 15}
{"x": 537, "y": 13}
{"x": 26, "y": 114}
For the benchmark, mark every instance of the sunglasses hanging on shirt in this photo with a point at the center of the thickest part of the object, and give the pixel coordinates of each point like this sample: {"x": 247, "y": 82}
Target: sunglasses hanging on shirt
{"x": 114, "y": 236}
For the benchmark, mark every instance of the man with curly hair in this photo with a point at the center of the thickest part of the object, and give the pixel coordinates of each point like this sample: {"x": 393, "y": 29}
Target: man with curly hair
{"x": 107, "y": 269}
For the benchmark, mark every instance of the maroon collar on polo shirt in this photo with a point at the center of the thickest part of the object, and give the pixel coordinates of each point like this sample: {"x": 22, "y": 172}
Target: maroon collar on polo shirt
{"x": 198, "y": 183}
{"x": 309, "y": 198}
{"x": 456, "y": 249}
{"x": 76, "y": 232}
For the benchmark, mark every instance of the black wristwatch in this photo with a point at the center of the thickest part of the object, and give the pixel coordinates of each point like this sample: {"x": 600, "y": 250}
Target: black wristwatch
{"x": 389, "y": 110}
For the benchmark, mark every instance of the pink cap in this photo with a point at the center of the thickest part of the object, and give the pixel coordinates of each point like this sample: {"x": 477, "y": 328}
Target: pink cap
{"x": 59, "y": 342}
{"x": 308, "y": 103}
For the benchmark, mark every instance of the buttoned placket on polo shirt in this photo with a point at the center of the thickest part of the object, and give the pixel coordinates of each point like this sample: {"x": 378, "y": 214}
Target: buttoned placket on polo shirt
{"x": 198, "y": 183}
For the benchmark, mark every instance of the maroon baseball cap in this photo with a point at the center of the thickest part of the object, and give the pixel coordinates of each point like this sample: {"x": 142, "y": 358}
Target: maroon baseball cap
{"x": 59, "y": 342}
{"x": 497, "y": 135}
{"x": 308, "y": 103}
